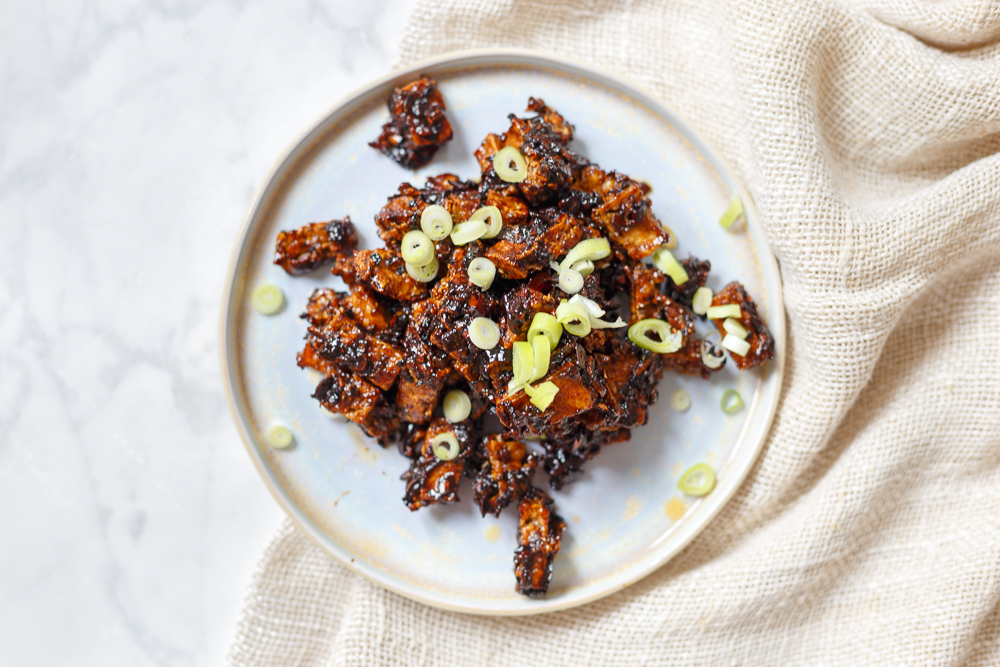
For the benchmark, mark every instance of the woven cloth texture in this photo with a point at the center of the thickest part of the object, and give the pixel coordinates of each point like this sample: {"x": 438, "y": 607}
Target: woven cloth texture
{"x": 868, "y": 533}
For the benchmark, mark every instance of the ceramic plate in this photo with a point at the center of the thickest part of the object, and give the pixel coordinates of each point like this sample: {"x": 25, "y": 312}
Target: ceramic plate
{"x": 624, "y": 516}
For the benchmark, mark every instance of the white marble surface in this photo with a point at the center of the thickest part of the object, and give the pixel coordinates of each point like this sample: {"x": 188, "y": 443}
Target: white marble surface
{"x": 132, "y": 138}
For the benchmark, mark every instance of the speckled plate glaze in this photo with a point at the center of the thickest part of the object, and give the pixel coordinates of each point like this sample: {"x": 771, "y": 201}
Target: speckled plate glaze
{"x": 625, "y": 517}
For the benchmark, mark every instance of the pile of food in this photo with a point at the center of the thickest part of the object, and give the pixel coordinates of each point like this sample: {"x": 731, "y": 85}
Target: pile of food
{"x": 522, "y": 295}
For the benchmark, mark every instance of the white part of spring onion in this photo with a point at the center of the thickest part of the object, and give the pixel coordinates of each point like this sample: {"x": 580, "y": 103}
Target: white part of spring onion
{"x": 574, "y": 318}
{"x": 711, "y": 355}
{"x": 267, "y": 299}
{"x": 680, "y": 400}
{"x": 542, "y": 394}
{"x": 541, "y": 354}
{"x": 722, "y": 312}
{"x": 484, "y": 333}
{"x": 584, "y": 267}
{"x": 666, "y": 262}
{"x": 735, "y": 345}
{"x": 424, "y": 274}
{"x": 510, "y": 165}
{"x": 570, "y": 281}
{"x": 468, "y": 231}
{"x": 278, "y": 436}
{"x": 591, "y": 249}
{"x": 546, "y": 325}
{"x": 445, "y": 446}
{"x": 482, "y": 272}
{"x": 735, "y": 328}
{"x": 702, "y": 300}
{"x": 492, "y": 217}
{"x": 523, "y": 362}
{"x": 417, "y": 248}
{"x": 457, "y": 406}
{"x": 669, "y": 339}
{"x": 436, "y": 222}
{"x": 732, "y": 213}
{"x": 595, "y": 314}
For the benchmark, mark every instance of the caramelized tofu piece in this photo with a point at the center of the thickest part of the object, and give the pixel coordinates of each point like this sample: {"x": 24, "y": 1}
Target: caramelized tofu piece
{"x": 402, "y": 211}
{"x": 369, "y": 310}
{"x": 646, "y": 301}
{"x": 624, "y": 211}
{"x": 385, "y": 272}
{"x": 344, "y": 393}
{"x": 631, "y": 375}
{"x": 539, "y": 536}
{"x": 520, "y": 304}
{"x": 525, "y": 249}
{"x": 542, "y": 141}
{"x": 309, "y": 358}
{"x": 342, "y": 342}
{"x": 697, "y": 271}
{"x": 324, "y": 304}
{"x": 304, "y": 249}
{"x": 505, "y": 474}
{"x": 758, "y": 335}
{"x": 430, "y": 480}
{"x": 417, "y": 125}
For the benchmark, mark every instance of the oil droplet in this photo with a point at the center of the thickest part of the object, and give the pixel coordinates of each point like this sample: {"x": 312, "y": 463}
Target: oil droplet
{"x": 676, "y": 508}
{"x": 576, "y": 518}
{"x": 492, "y": 533}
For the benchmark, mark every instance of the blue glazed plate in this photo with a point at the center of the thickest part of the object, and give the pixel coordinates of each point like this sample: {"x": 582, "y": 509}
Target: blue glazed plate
{"x": 625, "y": 517}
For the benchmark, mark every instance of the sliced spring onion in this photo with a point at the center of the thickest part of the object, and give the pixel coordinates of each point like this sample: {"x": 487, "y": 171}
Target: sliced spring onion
{"x": 482, "y": 272}
{"x": 732, "y": 213}
{"x": 510, "y": 165}
{"x": 595, "y": 313}
{"x": 492, "y": 217}
{"x": 722, "y": 312}
{"x": 731, "y": 402}
{"x": 735, "y": 328}
{"x": 424, "y": 274}
{"x": 735, "y": 345}
{"x": 680, "y": 400}
{"x": 589, "y": 249}
{"x": 445, "y": 446}
{"x": 484, "y": 333}
{"x": 468, "y": 231}
{"x": 666, "y": 262}
{"x": 542, "y": 394}
{"x": 546, "y": 325}
{"x": 457, "y": 406}
{"x": 278, "y": 436}
{"x": 541, "y": 353}
{"x": 698, "y": 480}
{"x": 267, "y": 299}
{"x": 570, "y": 281}
{"x": 436, "y": 222}
{"x": 574, "y": 318}
{"x": 702, "y": 300}
{"x": 417, "y": 248}
{"x": 523, "y": 361}
{"x": 712, "y": 355}
{"x": 655, "y": 336}
{"x": 584, "y": 267}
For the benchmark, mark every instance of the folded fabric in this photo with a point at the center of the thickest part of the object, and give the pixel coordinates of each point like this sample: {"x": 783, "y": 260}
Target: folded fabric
{"x": 868, "y": 533}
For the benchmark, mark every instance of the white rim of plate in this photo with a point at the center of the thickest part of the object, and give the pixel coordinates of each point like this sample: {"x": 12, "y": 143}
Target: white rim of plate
{"x": 746, "y": 450}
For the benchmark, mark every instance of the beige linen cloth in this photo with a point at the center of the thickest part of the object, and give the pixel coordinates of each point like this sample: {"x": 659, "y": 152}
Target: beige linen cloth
{"x": 868, "y": 533}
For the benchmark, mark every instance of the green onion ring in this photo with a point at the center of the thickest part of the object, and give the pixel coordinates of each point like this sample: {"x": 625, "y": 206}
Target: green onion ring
{"x": 267, "y": 299}
{"x": 666, "y": 262}
{"x": 502, "y": 165}
{"x": 482, "y": 272}
{"x": 731, "y": 402}
{"x": 735, "y": 328}
{"x": 541, "y": 354}
{"x": 698, "y": 480}
{"x": 732, "y": 213}
{"x": 570, "y": 281}
{"x": 417, "y": 248}
{"x": 680, "y": 400}
{"x": 702, "y": 300}
{"x": 436, "y": 222}
{"x": 546, "y": 325}
{"x": 574, "y": 318}
{"x": 279, "y": 436}
{"x": 468, "y": 231}
{"x": 457, "y": 406}
{"x": 445, "y": 453}
{"x": 492, "y": 217}
{"x": 726, "y": 310}
{"x": 424, "y": 274}
{"x": 670, "y": 340}
{"x": 484, "y": 333}
{"x": 591, "y": 249}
